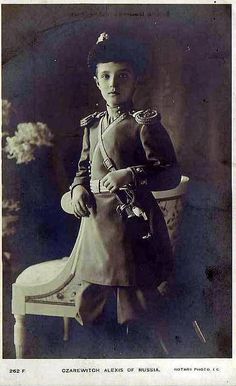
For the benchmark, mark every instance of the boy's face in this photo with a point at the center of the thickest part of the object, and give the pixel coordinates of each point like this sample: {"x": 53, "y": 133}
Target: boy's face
{"x": 116, "y": 81}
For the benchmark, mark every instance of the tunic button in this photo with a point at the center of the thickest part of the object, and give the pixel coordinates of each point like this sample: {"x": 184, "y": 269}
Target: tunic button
{"x": 60, "y": 296}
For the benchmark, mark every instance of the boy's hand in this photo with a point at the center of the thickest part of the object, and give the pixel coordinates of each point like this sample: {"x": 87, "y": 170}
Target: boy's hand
{"x": 81, "y": 201}
{"x": 115, "y": 180}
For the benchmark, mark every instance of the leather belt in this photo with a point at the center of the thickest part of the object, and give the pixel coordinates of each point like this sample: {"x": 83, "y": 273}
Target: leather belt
{"x": 97, "y": 187}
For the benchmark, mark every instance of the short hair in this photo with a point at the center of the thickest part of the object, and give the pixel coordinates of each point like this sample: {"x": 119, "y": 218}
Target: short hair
{"x": 119, "y": 49}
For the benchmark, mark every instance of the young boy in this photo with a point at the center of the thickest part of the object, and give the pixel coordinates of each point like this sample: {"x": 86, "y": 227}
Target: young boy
{"x": 124, "y": 151}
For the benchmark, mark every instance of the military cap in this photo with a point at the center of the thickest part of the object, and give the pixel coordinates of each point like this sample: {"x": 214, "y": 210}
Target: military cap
{"x": 118, "y": 49}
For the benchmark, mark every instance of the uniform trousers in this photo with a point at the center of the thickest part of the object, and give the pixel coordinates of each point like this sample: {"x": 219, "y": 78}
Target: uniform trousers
{"x": 132, "y": 303}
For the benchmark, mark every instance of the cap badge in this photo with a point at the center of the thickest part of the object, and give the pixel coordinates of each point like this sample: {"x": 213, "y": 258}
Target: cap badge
{"x": 103, "y": 36}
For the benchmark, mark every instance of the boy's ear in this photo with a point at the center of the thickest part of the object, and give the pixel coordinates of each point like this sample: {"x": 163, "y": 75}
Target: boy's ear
{"x": 96, "y": 81}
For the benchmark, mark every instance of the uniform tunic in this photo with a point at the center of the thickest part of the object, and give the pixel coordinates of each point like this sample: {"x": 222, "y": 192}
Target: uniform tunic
{"x": 108, "y": 255}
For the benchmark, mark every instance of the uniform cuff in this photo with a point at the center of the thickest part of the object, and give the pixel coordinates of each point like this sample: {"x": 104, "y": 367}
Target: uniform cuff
{"x": 74, "y": 184}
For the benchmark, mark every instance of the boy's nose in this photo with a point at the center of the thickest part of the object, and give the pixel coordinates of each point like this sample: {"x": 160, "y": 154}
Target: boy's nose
{"x": 113, "y": 82}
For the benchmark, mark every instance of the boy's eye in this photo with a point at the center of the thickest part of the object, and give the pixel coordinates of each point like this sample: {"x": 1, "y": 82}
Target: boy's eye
{"x": 123, "y": 76}
{"x": 105, "y": 76}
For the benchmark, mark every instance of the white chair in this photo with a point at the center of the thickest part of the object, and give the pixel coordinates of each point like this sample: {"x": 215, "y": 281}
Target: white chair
{"x": 49, "y": 288}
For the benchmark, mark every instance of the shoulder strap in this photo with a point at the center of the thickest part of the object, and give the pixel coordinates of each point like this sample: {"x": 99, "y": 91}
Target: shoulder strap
{"x": 147, "y": 117}
{"x": 87, "y": 121}
{"x": 107, "y": 161}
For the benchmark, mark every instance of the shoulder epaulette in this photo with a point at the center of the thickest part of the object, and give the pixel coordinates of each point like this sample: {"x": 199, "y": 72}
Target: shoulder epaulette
{"x": 91, "y": 118}
{"x": 148, "y": 116}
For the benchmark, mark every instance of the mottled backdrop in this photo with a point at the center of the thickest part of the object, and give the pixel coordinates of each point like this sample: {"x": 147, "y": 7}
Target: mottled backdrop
{"x": 44, "y": 50}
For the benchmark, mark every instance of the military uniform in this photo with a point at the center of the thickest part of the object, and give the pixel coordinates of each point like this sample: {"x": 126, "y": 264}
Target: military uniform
{"x": 110, "y": 261}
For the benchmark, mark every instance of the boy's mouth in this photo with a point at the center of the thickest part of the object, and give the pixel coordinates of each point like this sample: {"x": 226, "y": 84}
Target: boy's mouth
{"x": 114, "y": 93}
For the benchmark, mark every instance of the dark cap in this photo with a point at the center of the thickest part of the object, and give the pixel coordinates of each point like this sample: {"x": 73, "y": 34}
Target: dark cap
{"x": 118, "y": 49}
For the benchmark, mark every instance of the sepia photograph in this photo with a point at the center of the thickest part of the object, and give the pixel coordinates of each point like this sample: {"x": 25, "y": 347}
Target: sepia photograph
{"x": 116, "y": 182}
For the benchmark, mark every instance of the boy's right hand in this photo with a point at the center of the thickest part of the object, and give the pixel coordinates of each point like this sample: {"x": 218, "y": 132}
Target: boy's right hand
{"x": 81, "y": 201}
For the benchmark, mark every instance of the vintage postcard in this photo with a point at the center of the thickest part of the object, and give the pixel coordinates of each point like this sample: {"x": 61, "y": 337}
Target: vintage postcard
{"x": 117, "y": 193}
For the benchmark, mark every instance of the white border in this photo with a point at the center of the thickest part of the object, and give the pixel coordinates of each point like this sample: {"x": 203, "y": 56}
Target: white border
{"x": 49, "y": 371}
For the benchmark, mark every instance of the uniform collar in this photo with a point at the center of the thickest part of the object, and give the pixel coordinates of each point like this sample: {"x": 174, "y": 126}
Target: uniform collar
{"x": 115, "y": 112}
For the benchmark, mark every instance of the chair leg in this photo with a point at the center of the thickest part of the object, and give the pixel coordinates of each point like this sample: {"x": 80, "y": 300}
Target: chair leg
{"x": 19, "y": 335}
{"x": 66, "y": 329}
